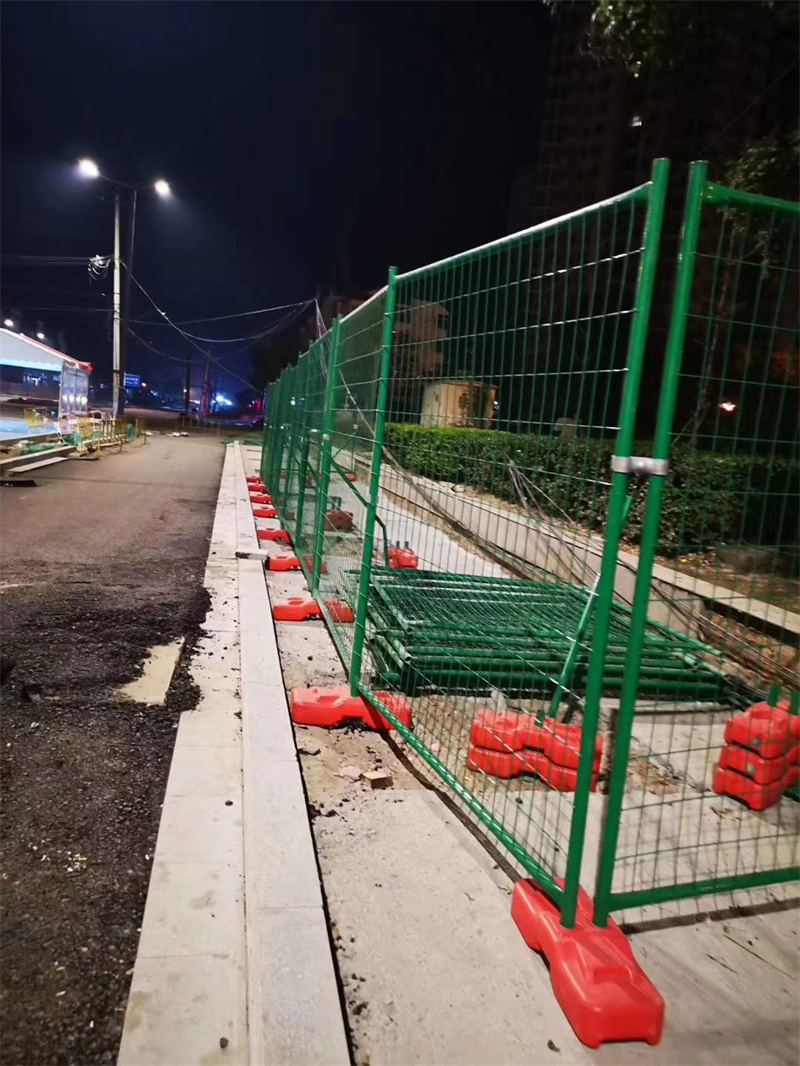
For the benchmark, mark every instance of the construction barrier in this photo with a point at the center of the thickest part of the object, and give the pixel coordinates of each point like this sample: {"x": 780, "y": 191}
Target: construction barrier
{"x": 569, "y": 590}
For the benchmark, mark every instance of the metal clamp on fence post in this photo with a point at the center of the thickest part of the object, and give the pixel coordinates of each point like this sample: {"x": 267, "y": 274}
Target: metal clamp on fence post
{"x": 640, "y": 466}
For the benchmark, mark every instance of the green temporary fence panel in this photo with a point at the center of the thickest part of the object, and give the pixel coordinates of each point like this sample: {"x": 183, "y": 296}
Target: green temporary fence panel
{"x": 540, "y": 334}
{"x": 476, "y": 417}
{"x": 730, "y": 387}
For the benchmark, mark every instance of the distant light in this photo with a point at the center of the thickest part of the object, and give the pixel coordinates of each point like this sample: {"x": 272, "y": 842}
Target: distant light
{"x": 636, "y": 121}
{"x": 220, "y": 399}
{"x": 40, "y": 336}
{"x": 9, "y": 323}
{"x": 144, "y": 384}
{"x": 88, "y": 168}
{"x": 728, "y": 405}
{"x": 162, "y": 187}
{"x": 293, "y": 402}
{"x": 84, "y": 400}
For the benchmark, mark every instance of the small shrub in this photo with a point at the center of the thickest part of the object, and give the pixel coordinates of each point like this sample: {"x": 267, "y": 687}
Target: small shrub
{"x": 710, "y": 498}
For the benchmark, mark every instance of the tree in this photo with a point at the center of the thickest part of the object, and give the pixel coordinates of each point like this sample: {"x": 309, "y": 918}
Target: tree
{"x": 653, "y": 35}
{"x": 770, "y": 167}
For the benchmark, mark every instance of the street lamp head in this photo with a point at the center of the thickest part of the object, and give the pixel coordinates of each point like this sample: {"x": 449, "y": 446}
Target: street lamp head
{"x": 162, "y": 187}
{"x": 88, "y": 168}
{"x": 40, "y": 336}
{"x": 8, "y": 323}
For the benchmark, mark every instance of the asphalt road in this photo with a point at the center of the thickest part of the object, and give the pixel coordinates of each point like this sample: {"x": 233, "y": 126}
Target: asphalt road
{"x": 97, "y": 563}
{"x": 140, "y": 517}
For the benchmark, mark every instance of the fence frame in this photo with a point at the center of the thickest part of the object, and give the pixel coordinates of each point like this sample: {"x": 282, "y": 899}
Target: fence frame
{"x": 699, "y": 192}
{"x": 289, "y": 444}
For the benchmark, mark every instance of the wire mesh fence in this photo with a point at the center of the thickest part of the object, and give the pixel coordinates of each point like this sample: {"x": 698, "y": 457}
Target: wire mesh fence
{"x": 695, "y": 804}
{"x": 459, "y": 472}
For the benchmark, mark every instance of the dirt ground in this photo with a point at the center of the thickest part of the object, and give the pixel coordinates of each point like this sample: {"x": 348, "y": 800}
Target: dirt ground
{"x": 99, "y": 562}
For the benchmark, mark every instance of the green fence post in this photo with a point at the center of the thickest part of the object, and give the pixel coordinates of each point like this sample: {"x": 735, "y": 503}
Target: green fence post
{"x": 616, "y": 510}
{"x": 374, "y": 484}
{"x": 323, "y": 486}
{"x": 648, "y": 541}
{"x": 305, "y": 449}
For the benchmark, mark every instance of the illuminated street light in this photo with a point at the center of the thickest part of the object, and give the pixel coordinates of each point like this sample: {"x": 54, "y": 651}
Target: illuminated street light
{"x": 8, "y": 323}
{"x": 88, "y": 168}
{"x": 728, "y": 406}
{"x": 40, "y": 336}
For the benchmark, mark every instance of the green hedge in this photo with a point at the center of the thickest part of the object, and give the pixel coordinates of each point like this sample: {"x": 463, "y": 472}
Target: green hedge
{"x": 711, "y": 499}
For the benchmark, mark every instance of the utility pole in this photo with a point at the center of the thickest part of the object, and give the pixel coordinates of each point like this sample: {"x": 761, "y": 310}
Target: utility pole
{"x": 117, "y": 381}
{"x": 126, "y": 306}
{"x": 187, "y": 386}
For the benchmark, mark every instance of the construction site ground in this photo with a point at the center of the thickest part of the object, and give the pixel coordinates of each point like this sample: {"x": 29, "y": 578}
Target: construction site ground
{"x": 432, "y": 967}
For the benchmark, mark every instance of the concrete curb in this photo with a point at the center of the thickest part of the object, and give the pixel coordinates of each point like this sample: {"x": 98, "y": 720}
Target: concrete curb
{"x": 294, "y": 1010}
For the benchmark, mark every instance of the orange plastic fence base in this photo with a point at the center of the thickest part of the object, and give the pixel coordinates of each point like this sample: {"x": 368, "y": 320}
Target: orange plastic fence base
{"x": 513, "y": 763}
{"x": 329, "y": 707}
{"x": 770, "y": 731}
{"x": 283, "y": 562}
{"x": 598, "y": 983}
{"x": 508, "y": 731}
{"x": 279, "y": 535}
{"x": 403, "y": 558}
{"x": 291, "y": 562}
{"x": 295, "y": 609}
{"x": 756, "y": 797}
{"x": 341, "y": 521}
{"x": 762, "y": 771}
{"x": 301, "y": 608}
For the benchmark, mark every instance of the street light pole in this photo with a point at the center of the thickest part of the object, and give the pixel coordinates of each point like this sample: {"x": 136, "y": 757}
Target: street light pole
{"x": 126, "y": 306}
{"x": 117, "y": 383}
{"x": 89, "y": 169}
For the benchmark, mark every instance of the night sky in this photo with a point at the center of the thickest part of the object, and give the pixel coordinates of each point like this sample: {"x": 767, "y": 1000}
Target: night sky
{"x": 307, "y": 144}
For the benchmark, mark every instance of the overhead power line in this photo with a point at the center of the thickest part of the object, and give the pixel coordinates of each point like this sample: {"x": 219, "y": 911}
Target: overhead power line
{"x": 296, "y": 308}
{"x": 243, "y": 314}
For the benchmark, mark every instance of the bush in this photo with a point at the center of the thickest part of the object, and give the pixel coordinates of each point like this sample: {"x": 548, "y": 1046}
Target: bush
{"x": 710, "y": 498}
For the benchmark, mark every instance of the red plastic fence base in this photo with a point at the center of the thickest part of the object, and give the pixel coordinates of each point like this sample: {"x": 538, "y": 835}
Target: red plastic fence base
{"x": 291, "y": 562}
{"x": 341, "y": 521}
{"x": 768, "y": 730}
{"x": 331, "y": 706}
{"x": 507, "y": 731}
{"x": 295, "y": 609}
{"x": 300, "y": 609}
{"x": 761, "y": 756}
{"x": 254, "y": 479}
{"x": 279, "y": 535}
{"x": 260, "y": 498}
{"x": 757, "y": 797}
{"x": 403, "y": 558}
{"x": 762, "y": 771}
{"x": 264, "y": 512}
{"x": 340, "y": 611}
{"x": 513, "y": 763}
{"x": 283, "y": 562}
{"x": 350, "y": 477}
{"x": 598, "y": 983}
